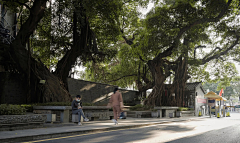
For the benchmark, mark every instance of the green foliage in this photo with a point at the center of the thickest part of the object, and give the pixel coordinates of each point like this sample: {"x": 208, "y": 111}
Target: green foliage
{"x": 8, "y": 109}
{"x": 231, "y": 89}
{"x": 214, "y": 71}
{"x": 54, "y": 104}
{"x": 140, "y": 107}
{"x": 117, "y": 20}
{"x": 183, "y": 109}
{"x": 159, "y": 30}
{"x": 154, "y": 110}
{"x": 29, "y": 108}
{"x": 88, "y": 104}
{"x": 61, "y": 104}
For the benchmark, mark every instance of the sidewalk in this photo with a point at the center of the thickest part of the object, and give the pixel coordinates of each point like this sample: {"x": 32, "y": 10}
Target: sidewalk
{"x": 92, "y": 126}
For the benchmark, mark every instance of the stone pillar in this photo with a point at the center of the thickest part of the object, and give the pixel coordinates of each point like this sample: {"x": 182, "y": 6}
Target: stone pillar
{"x": 224, "y": 112}
{"x": 64, "y": 116}
{"x": 159, "y": 113}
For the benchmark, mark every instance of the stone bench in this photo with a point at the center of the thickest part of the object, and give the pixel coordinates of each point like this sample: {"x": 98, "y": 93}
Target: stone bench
{"x": 164, "y": 111}
{"x": 97, "y": 112}
{"x": 61, "y": 112}
{"x": 64, "y": 113}
{"x": 75, "y": 118}
{"x": 139, "y": 114}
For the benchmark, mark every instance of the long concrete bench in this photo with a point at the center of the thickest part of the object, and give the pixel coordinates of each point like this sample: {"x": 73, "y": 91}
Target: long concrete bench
{"x": 139, "y": 114}
{"x": 97, "y": 112}
{"x": 64, "y": 113}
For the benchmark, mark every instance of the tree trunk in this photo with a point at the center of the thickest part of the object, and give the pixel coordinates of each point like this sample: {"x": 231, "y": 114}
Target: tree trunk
{"x": 179, "y": 84}
{"x": 53, "y": 90}
{"x": 159, "y": 78}
{"x": 162, "y": 94}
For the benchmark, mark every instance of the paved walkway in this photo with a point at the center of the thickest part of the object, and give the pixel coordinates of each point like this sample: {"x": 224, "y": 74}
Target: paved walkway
{"x": 49, "y": 131}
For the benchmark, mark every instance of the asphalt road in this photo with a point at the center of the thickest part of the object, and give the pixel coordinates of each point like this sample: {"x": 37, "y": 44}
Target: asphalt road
{"x": 210, "y": 130}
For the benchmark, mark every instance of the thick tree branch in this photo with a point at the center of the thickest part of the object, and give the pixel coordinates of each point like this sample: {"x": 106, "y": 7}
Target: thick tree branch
{"x": 36, "y": 14}
{"x": 212, "y": 53}
{"x": 221, "y": 53}
{"x": 142, "y": 88}
{"x": 200, "y": 46}
{"x": 174, "y": 45}
{"x": 217, "y": 55}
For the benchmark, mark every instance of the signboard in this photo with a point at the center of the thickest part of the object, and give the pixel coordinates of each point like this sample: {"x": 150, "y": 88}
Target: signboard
{"x": 237, "y": 106}
{"x": 201, "y": 100}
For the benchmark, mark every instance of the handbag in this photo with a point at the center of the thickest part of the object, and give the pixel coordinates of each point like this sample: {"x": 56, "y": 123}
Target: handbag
{"x": 122, "y": 116}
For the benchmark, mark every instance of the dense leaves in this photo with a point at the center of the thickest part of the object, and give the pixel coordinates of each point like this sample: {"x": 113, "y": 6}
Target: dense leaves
{"x": 209, "y": 26}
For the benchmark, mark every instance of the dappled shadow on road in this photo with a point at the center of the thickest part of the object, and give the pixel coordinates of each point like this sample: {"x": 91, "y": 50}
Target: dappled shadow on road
{"x": 127, "y": 135}
{"x": 175, "y": 128}
{"x": 224, "y": 135}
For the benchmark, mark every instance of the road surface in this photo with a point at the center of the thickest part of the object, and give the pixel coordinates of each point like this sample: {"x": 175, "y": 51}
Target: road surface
{"x": 207, "y": 130}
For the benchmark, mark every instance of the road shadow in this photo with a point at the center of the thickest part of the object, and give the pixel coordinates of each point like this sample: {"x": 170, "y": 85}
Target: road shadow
{"x": 226, "y": 135}
{"x": 125, "y": 135}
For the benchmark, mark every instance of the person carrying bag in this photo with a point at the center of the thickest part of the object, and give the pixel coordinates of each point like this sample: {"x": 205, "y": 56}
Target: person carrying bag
{"x": 116, "y": 102}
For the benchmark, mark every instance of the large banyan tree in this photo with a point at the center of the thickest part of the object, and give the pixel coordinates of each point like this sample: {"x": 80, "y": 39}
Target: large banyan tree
{"x": 61, "y": 34}
{"x": 176, "y": 41}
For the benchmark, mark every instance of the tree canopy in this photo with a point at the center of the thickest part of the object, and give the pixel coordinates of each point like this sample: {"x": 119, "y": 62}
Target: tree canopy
{"x": 206, "y": 30}
{"x": 177, "y": 41}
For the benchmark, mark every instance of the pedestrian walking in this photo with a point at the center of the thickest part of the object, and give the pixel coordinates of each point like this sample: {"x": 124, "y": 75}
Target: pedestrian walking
{"x": 77, "y": 109}
{"x": 116, "y": 102}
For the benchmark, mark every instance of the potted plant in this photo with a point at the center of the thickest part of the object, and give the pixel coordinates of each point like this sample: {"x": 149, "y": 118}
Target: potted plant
{"x": 154, "y": 113}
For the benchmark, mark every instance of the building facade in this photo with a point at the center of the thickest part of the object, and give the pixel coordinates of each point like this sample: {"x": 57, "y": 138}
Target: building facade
{"x": 194, "y": 98}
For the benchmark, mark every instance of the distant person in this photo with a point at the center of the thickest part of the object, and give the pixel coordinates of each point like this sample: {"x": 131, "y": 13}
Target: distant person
{"x": 77, "y": 109}
{"x": 116, "y": 102}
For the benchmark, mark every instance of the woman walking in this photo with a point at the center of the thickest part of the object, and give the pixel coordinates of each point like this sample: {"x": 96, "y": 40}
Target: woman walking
{"x": 117, "y": 104}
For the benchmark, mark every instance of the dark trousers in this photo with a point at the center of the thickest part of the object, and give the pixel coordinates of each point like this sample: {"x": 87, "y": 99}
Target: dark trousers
{"x": 80, "y": 113}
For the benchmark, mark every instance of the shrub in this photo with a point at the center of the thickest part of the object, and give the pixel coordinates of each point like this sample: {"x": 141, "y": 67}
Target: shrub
{"x": 8, "y": 109}
{"x": 28, "y": 107}
{"x": 87, "y": 104}
{"x": 191, "y": 109}
{"x": 140, "y": 107}
{"x": 129, "y": 104}
{"x": 184, "y": 109}
{"x": 54, "y": 104}
{"x": 61, "y": 104}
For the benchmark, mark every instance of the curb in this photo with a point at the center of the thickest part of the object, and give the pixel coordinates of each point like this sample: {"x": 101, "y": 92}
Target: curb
{"x": 55, "y": 135}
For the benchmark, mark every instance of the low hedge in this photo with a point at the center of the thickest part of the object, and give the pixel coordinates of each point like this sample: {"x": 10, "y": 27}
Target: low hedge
{"x": 139, "y": 107}
{"x": 184, "y": 109}
{"x": 54, "y": 104}
{"x": 28, "y": 107}
{"x": 61, "y": 104}
{"x": 8, "y": 109}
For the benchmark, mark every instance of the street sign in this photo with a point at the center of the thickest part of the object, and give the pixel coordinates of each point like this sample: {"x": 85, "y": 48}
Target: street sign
{"x": 201, "y": 100}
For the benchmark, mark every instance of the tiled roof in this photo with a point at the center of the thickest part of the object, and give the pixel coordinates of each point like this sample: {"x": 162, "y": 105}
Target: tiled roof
{"x": 191, "y": 86}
